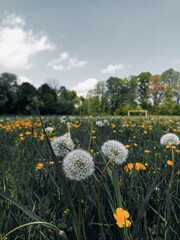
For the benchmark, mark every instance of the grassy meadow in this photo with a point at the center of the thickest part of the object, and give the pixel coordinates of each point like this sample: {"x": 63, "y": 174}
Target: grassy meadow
{"x": 137, "y": 199}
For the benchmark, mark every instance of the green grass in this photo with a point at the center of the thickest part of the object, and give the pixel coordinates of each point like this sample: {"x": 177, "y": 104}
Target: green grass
{"x": 43, "y": 204}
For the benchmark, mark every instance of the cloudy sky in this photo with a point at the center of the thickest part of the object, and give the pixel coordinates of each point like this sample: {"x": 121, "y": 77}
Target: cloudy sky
{"x": 76, "y": 43}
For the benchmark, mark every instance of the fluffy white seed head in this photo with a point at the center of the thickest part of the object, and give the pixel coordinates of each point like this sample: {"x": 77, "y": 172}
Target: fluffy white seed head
{"x": 78, "y": 165}
{"x": 169, "y": 139}
{"x": 49, "y": 129}
{"x": 62, "y": 145}
{"x": 115, "y": 151}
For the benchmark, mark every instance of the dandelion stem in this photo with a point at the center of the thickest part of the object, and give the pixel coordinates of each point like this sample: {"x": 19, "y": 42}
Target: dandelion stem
{"x": 79, "y": 211}
{"x": 169, "y": 200}
{"x": 99, "y": 190}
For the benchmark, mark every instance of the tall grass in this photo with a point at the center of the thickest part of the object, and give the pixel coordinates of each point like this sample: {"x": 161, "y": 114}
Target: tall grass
{"x": 44, "y": 204}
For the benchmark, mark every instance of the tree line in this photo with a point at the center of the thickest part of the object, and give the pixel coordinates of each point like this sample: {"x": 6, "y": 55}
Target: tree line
{"x": 159, "y": 94}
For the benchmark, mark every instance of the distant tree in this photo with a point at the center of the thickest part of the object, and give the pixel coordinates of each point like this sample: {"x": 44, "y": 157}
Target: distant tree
{"x": 67, "y": 101}
{"x": 156, "y": 88}
{"x": 172, "y": 78}
{"x": 8, "y": 87}
{"x": 122, "y": 92}
{"x": 83, "y": 106}
{"x": 24, "y": 98}
{"x": 100, "y": 91}
{"x": 53, "y": 83}
{"x": 168, "y": 105}
{"x": 143, "y": 89}
{"x": 47, "y": 99}
{"x": 94, "y": 106}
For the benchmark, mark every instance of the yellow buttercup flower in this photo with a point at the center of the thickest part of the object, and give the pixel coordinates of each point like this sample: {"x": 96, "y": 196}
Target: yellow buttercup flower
{"x": 170, "y": 162}
{"x": 121, "y": 217}
{"x": 39, "y": 166}
{"x": 129, "y": 167}
{"x": 140, "y": 166}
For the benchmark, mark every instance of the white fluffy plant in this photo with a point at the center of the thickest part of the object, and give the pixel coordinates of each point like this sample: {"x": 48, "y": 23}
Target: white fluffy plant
{"x": 169, "y": 139}
{"x": 62, "y": 145}
{"x": 115, "y": 151}
{"x": 78, "y": 165}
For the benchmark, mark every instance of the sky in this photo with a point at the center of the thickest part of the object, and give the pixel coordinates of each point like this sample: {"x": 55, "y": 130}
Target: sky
{"x": 77, "y": 43}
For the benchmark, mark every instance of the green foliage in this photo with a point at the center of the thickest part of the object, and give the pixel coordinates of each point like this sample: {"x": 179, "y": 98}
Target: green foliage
{"x": 45, "y": 195}
{"x": 115, "y": 96}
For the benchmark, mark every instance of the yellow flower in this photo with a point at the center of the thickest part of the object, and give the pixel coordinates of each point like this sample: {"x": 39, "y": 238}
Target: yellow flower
{"x": 127, "y": 146}
{"x": 145, "y": 132}
{"x": 28, "y": 133}
{"x": 129, "y": 167}
{"x": 167, "y": 146}
{"x": 113, "y": 125}
{"x": 140, "y": 166}
{"x": 39, "y": 166}
{"x": 170, "y": 162}
{"x": 51, "y": 162}
{"x": 147, "y": 151}
{"x": 121, "y": 216}
{"x": 135, "y": 144}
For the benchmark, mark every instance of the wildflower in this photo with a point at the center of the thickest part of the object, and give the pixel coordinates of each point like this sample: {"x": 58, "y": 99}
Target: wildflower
{"x": 63, "y": 119}
{"x": 39, "y": 166}
{"x": 78, "y": 165}
{"x": 147, "y": 151}
{"x": 115, "y": 151}
{"x": 49, "y": 129}
{"x": 62, "y": 145}
{"x": 102, "y": 122}
{"x": 99, "y": 123}
{"x": 28, "y": 133}
{"x": 129, "y": 167}
{"x": 127, "y": 146}
{"x": 121, "y": 217}
{"x": 76, "y": 124}
{"x": 140, "y": 166}
{"x": 169, "y": 139}
{"x": 170, "y": 162}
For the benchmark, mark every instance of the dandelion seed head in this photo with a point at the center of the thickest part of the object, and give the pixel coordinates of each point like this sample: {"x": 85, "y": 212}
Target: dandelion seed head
{"x": 78, "y": 165}
{"x": 115, "y": 151}
{"x": 49, "y": 129}
{"x": 169, "y": 139}
{"x": 62, "y": 145}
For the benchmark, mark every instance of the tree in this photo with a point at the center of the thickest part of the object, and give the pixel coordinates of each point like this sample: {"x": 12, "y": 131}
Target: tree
{"x": 122, "y": 92}
{"x": 168, "y": 105}
{"x": 47, "y": 99}
{"x": 8, "y": 87}
{"x": 156, "y": 88}
{"x": 143, "y": 89}
{"x": 25, "y": 97}
{"x": 67, "y": 101}
{"x": 172, "y": 78}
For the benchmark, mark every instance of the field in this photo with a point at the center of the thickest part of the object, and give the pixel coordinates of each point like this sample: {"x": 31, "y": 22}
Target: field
{"x": 131, "y": 194}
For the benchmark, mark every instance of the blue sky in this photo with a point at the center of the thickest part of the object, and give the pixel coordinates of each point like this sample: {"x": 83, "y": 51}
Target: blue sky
{"x": 76, "y": 43}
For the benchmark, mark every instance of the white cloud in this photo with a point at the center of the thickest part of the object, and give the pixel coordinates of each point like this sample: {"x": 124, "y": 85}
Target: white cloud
{"x": 114, "y": 68}
{"x": 83, "y": 87}
{"x": 24, "y": 79}
{"x": 65, "y": 61}
{"x": 17, "y": 44}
